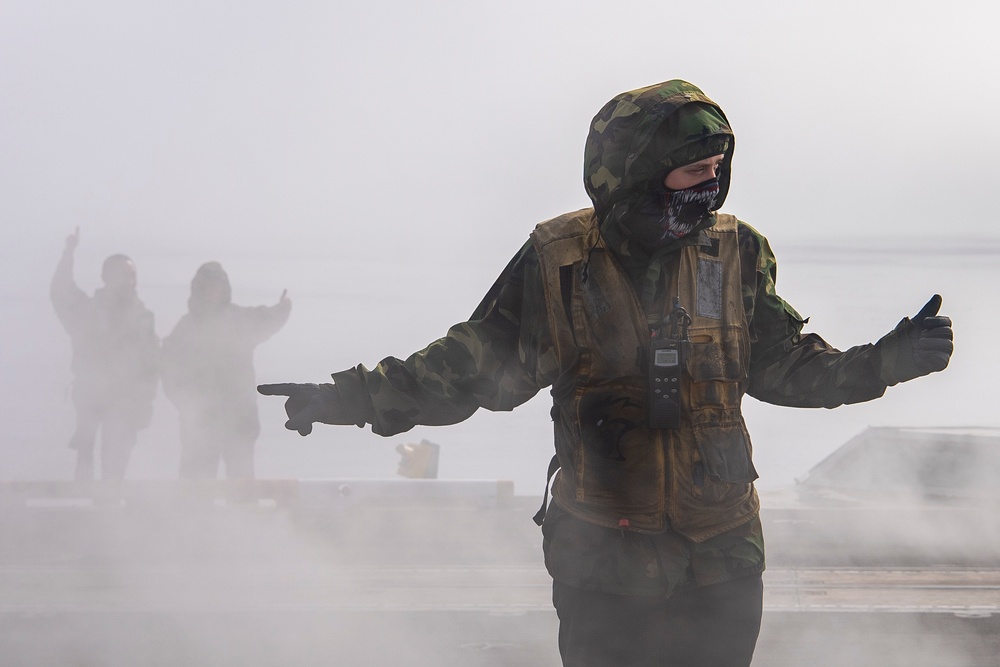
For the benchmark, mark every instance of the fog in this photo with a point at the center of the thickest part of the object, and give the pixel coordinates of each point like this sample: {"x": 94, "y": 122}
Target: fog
{"x": 383, "y": 161}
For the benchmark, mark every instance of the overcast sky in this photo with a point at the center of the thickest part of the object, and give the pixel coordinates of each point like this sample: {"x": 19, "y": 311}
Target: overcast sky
{"x": 332, "y": 128}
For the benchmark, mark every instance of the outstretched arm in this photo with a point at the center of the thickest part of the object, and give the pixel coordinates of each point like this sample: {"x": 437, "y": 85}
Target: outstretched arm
{"x": 802, "y": 370}
{"x": 496, "y": 360}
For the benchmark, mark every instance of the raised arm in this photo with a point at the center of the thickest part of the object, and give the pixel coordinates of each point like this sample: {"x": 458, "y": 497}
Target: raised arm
{"x": 262, "y": 322}
{"x": 67, "y": 299}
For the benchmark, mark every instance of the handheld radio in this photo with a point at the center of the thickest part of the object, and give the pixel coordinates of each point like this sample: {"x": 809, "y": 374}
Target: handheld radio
{"x": 667, "y": 352}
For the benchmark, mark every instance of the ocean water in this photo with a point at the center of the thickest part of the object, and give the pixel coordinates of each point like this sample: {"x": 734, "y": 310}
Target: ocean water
{"x": 352, "y": 310}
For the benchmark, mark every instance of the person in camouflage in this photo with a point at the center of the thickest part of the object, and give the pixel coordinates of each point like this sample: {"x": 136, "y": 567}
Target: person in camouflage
{"x": 649, "y": 315}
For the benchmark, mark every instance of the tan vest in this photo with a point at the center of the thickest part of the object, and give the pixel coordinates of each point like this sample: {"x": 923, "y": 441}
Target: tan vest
{"x": 616, "y": 471}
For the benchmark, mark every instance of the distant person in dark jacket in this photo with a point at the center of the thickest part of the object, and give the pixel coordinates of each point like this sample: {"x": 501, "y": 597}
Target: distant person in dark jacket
{"x": 114, "y": 361}
{"x": 208, "y": 373}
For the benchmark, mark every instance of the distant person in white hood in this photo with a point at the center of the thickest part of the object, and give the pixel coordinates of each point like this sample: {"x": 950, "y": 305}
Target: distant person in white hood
{"x": 114, "y": 361}
{"x": 208, "y": 373}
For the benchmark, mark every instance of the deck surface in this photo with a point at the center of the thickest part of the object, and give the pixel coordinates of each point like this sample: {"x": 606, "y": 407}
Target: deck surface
{"x": 433, "y": 582}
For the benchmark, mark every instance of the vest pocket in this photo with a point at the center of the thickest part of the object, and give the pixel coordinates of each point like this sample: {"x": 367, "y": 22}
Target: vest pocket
{"x": 714, "y": 395}
{"x": 725, "y": 453}
{"x": 712, "y": 484}
{"x": 620, "y": 461}
{"x": 715, "y": 357}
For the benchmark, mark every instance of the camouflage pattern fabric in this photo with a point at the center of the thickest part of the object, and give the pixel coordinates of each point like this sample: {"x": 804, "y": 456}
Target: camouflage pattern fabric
{"x": 503, "y": 355}
{"x": 634, "y": 141}
{"x": 616, "y": 159}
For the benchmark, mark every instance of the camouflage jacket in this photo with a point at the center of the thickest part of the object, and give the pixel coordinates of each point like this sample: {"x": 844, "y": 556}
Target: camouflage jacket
{"x": 504, "y": 354}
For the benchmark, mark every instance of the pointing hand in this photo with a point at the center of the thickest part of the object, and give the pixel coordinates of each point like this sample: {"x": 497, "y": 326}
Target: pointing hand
{"x": 306, "y": 404}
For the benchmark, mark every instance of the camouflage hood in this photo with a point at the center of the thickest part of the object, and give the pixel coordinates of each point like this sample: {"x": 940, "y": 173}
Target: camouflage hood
{"x": 625, "y": 154}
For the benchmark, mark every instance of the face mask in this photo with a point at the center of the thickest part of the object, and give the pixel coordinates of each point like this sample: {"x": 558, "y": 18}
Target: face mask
{"x": 687, "y": 208}
{"x": 666, "y": 215}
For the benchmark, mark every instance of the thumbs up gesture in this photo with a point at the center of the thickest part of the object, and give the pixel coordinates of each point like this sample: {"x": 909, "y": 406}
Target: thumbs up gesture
{"x": 931, "y": 337}
{"x": 917, "y": 346}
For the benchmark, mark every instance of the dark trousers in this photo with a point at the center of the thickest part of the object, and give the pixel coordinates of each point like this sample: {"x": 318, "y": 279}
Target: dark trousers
{"x": 711, "y": 626}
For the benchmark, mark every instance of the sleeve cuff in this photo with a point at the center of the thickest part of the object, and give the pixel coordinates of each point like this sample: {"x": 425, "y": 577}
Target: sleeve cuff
{"x": 354, "y": 400}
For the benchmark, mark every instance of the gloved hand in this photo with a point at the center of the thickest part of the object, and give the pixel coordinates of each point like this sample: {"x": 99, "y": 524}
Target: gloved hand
{"x": 933, "y": 339}
{"x": 309, "y": 403}
{"x": 917, "y": 346}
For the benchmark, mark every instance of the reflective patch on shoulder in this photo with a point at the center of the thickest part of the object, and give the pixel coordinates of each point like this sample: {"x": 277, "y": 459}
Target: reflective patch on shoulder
{"x": 709, "y": 288}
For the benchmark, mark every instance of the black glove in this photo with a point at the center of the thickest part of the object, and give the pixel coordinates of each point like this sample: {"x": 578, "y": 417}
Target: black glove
{"x": 917, "y": 346}
{"x": 933, "y": 339}
{"x": 309, "y": 403}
